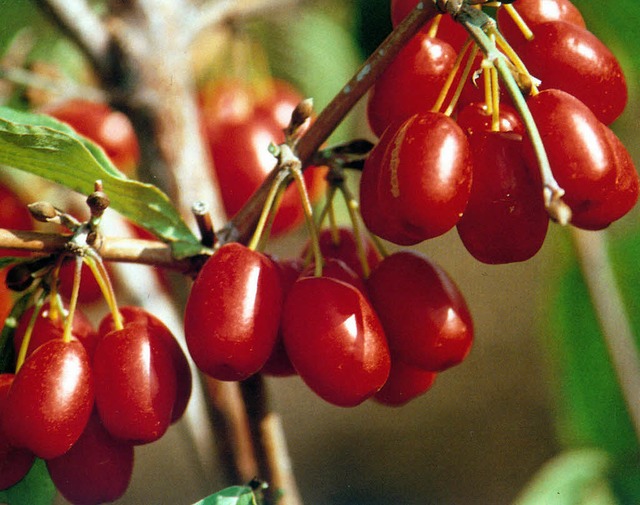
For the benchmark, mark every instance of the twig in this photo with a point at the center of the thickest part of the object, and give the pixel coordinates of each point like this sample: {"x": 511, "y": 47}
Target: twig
{"x": 591, "y": 249}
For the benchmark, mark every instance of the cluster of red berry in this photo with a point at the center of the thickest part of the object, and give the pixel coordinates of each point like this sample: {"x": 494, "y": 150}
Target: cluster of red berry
{"x": 479, "y": 172}
{"x": 347, "y": 337}
{"x": 82, "y": 398}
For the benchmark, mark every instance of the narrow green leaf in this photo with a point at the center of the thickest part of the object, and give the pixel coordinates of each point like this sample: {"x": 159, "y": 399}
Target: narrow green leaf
{"x": 45, "y": 147}
{"x": 35, "y": 489}
{"x": 236, "y": 495}
{"x": 575, "y": 477}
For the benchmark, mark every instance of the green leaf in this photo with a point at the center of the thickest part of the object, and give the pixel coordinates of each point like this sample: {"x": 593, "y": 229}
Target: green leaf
{"x": 236, "y": 495}
{"x": 45, "y": 147}
{"x": 590, "y": 408}
{"x": 35, "y": 489}
{"x": 575, "y": 477}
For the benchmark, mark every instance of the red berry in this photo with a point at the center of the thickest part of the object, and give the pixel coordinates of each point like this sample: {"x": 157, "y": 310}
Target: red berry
{"x": 50, "y": 326}
{"x": 505, "y": 219}
{"x": 279, "y": 364}
{"x": 50, "y": 400}
{"x": 405, "y": 383}
{"x": 337, "y": 269}
{"x": 475, "y": 118}
{"x": 15, "y": 463}
{"x": 137, "y": 315}
{"x": 587, "y": 163}
{"x": 239, "y": 132}
{"x": 425, "y": 317}
{"x": 233, "y": 313}
{"x": 567, "y": 57}
{"x": 135, "y": 383}
{"x": 416, "y": 181}
{"x": 110, "y": 129}
{"x": 343, "y": 246}
{"x": 411, "y": 84}
{"x": 535, "y": 12}
{"x": 97, "y": 469}
{"x": 334, "y": 340}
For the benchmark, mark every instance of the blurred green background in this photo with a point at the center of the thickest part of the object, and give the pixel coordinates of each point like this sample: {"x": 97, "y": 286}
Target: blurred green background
{"x": 538, "y": 382}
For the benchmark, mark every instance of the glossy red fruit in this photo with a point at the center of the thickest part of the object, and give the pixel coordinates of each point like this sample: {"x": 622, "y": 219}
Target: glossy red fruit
{"x": 535, "y": 12}
{"x": 132, "y": 314}
{"x": 337, "y": 269}
{"x": 620, "y": 198}
{"x": 97, "y": 469}
{"x": 279, "y": 364}
{"x": 135, "y": 383}
{"x": 14, "y": 216}
{"x": 334, "y": 340}
{"x": 411, "y": 84}
{"x": 239, "y": 131}
{"x": 90, "y": 291}
{"x": 505, "y": 220}
{"x": 583, "y": 158}
{"x": 416, "y": 181}
{"x": 50, "y": 400}
{"x": 15, "y": 463}
{"x": 233, "y": 313}
{"x": 475, "y": 118}
{"x": 342, "y": 245}
{"x": 50, "y": 326}
{"x": 108, "y": 128}
{"x": 425, "y": 317}
{"x": 405, "y": 383}
{"x": 6, "y": 297}
{"x": 567, "y": 57}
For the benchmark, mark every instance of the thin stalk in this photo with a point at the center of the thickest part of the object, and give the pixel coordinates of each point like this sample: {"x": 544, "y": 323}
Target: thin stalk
{"x": 73, "y": 300}
{"x": 95, "y": 264}
{"x": 609, "y": 306}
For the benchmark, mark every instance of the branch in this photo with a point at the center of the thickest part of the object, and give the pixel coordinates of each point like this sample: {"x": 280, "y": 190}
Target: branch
{"x": 80, "y": 23}
{"x": 242, "y": 224}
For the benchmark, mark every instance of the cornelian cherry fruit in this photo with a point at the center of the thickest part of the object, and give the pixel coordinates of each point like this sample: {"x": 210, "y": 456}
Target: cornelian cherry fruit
{"x": 405, "y": 383}
{"x": 15, "y": 462}
{"x": 505, "y": 220}
{"x": 137, "y": 315}
{"x": 412, "y": 82}
{"x": 424, "y": 315}
{"x": 97, "y": 469}
{"x": 416, "y": 180}
{"x": 50, "y": 400}
{"x": 233, "y": 313}
{"x": 335, "y": 340}
{"x": 135, "y": 383}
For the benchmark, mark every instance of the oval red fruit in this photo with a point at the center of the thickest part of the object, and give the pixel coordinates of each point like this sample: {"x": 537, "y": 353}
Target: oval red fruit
{"x": 405, "y": 383}
{"x": 424, "y": 315}
{"x": 233, "y": 313}
{"x": 334, "y": 340}
{"x": 50, "y": 400}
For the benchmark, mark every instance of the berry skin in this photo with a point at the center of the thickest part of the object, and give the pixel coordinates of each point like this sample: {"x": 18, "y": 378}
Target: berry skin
{"x": 334, "y": 340}
{"x": 97, "y": 469}
{"x": 416, "y": 180}
{"x": 131, "y": 314}
{"x": 233, "y": 313}
{"x": 15, "y": 462}
{"x": 536, "y": 12}
{"x": 411, "y": 84}
{"x": 505, "y": 220}
{"x": 405, "y": 383}
{"x": 567, "y": 57}
{"x": 475, "y": 118}
{"x": 50, "y": 400}
{"x": 592, "y": 166}
{"x": 425, "y": 317}
{"x": 135, "y": 383}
